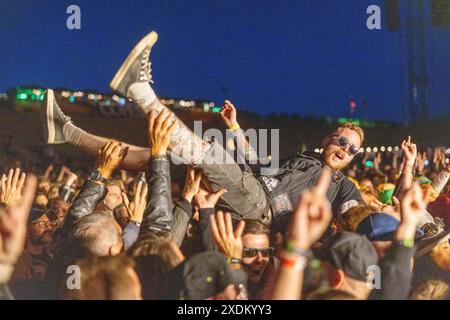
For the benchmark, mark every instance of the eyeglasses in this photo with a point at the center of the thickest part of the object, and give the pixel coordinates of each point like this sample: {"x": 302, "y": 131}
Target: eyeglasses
{"x": 343, "y": 142}
{"x": 43, "y": 224}
{"x": 253, "y": 252}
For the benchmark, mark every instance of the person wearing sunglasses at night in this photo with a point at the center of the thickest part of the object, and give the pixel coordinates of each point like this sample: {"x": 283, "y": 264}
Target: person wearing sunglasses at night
{"x": 258, "y": 259}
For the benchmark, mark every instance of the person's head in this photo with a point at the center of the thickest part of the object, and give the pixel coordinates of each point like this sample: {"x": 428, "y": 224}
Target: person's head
{"x": 114, "y": 196}
{"x": 347, "y": 258}
{"x": 350, "y": 219}
{"x": 40, "y": 228}
{"x": 341, "y": 146}
{"x": 441, "y": 253}
{"x": 153, "y": 273}
{"x": 96, "y": 234}
{"x": 205, "y": 276}
{"x": 432, "y": 289}
{"x": 331, "y": 294}
{"x": 366, "y": 183}
{"x": 53, "y": 192}
{"x": 257, "y": 252}
{"x": 43, "y": 185}
{"x": 106, "y": 278}
{"x": 159, "y": 243}
{"x": 59, "y": 209}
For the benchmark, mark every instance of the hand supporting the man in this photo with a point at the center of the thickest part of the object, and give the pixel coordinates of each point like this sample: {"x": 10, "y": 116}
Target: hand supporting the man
{"x": 160, "y": 129}
{"x": 110, "y": 157}
{"x": 227, "y": 240}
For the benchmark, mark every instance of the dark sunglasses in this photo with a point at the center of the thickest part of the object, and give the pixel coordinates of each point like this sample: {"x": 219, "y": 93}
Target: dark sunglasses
{"x": 343, "y": 142}
{"x": 253, "y": 252}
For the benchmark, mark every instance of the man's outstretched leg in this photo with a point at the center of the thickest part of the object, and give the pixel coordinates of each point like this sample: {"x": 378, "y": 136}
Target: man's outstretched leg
{"x": 245, "y": 196}
{"x": 59, "y": 128}
{"x": 133, "y": 79}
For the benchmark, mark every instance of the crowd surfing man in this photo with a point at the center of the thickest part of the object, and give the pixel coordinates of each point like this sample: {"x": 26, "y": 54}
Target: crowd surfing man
{"x": 248, "y": 196}
{"x": 137, "y": 253}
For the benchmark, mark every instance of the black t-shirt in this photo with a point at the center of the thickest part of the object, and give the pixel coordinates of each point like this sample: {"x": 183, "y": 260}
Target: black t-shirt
{"x": 303, "y": 172}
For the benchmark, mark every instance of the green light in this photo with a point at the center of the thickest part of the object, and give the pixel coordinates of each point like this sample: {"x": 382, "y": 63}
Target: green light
{"x": 368, "y": 163}
{"x": 216, "y": 109}
{"x": 72, "y": 99}
{"x": 22, "y": 96}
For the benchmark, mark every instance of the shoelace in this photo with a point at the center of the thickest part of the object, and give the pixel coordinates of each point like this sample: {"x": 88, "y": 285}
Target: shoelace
{"x": 146, "y": 67}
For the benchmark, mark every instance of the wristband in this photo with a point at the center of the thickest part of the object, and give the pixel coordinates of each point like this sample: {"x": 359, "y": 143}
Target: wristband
{"x": 298, "y": 263}
{"x": 234, "y": 260}
{"x": 234, "y": 127}
{"x": 291, "y": 248}
{"x": 407, "y": 243}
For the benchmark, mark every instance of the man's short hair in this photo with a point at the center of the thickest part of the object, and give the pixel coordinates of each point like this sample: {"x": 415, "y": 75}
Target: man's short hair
{"x": 157, "y": 243}
{"x": 255, "y": 227}
{"x": 354, "y": 127}
{"x": 95, "y": 234}
{"x": 350, "y": 219}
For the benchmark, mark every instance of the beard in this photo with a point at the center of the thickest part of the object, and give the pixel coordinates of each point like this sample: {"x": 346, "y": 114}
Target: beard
{"x": 42, "y": 239}
{"x": 334, "y": 162}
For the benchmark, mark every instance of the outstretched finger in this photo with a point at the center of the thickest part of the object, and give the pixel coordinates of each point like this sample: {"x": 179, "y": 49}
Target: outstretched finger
{"x": 239, "y": 229}
{"x": 215, "y": 232}
{"x": 21, "y": 181}
{"x": 324, "y": 182}
{"x": 29, "y": 191}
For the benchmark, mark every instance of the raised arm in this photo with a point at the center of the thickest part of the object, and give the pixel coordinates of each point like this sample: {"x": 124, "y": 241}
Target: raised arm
{"x": 396, "y": 274}
{"x": 309, "y": 222}
{"x": 229, "y": 116}
{"x": 406, "y": 178}
{"x": 158, "y": 214}
{"x": 93, "y": 190}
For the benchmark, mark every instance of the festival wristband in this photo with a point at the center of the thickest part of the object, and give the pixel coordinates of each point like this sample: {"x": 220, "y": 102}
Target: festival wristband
{"x": 234, "y": 127}
{"x": 407, "y": 243}
{"x": 234, "y": 260}
{"x": 291, "y": 248}
{"x": 298, "y": 263}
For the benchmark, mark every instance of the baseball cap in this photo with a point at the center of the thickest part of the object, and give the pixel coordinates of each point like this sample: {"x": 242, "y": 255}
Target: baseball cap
{"x": 202, "y": 276}
{"x": 381, "y": 226}
{"x": 35, "y": 214}
{"x": 350, "y": 252}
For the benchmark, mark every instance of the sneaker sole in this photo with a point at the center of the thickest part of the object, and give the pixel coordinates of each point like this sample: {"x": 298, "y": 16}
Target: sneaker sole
{"x": 49, "y": 117}
{"x": 149, "y": 39}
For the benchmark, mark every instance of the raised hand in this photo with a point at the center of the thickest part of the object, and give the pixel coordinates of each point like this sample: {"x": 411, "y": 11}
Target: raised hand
{"x": 160, "y": 129}
{"x": 136, "y": 208}
{"x": 409, "y": 151}
{"x": 313, "y": 214}
{"x": 206, "y": 199}
{"x": 110, "y": 157}
{"x": 192, "y": 183}
{"x": 229, "y": 114}
{"x": 13, "y": 226}
{"x": 228, "y": 241}
{"x": 11, "y": 187}
{"x": 412, "y": 208}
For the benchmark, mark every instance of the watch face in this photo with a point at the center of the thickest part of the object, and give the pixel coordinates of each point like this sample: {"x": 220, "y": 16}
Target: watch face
{"x": 96, "y": 175}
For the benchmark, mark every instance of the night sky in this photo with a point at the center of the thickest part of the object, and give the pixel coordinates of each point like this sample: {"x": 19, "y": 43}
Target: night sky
{"x": 307, "y": 57}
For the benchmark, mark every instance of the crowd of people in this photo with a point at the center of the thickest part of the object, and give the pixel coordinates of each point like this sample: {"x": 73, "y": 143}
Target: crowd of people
{"x": 322, "y": 226}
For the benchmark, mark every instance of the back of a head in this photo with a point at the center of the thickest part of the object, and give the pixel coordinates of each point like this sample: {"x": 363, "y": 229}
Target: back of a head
{"x": 157, "y": 243}
{"x": 432, "y": 289}
{"x": 94, "y": 234}
{"x": 350, "y": 219}
{"x": 153, "y": 273}
{"x": 331, "y": 294}
{"x": 106, "y": 278}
